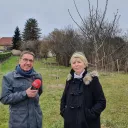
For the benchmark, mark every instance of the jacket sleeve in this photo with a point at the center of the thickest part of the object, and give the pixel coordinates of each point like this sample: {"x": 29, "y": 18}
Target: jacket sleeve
{"x": 7, "y": 95}
{"x": 41, "y": 88}
{"x": 63, "y": 100}
{"x": 99, "y": 100}
{"x": 39, "y": 76}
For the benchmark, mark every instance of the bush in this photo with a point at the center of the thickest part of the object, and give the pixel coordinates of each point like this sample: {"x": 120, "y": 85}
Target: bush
{"x": 4, "y": 56}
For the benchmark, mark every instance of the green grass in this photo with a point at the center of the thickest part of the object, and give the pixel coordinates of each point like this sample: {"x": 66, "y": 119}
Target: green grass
{"x": 115, "y": 87}
{"x": 116, "y": 91}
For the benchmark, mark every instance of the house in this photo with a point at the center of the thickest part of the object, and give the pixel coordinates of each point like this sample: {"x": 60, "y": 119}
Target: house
{"x": 5, "y": 43}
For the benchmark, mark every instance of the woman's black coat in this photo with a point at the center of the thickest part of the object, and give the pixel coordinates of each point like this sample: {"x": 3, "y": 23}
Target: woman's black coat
{"x": 82, "y": 102}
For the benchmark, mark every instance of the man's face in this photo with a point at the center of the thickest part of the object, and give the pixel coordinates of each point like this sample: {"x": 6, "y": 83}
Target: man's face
{"x": 26, "y": 62}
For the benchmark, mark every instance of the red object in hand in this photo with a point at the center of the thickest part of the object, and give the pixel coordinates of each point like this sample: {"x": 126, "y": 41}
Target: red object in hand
{"x": 36, "y": 84}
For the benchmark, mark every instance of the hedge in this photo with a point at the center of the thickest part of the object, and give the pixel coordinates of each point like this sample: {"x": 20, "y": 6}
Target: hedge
{"x": 4, "y": 56}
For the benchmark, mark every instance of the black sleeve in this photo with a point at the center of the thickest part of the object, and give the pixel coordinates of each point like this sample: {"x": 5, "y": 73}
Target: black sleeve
{"x": 99, "y": 100}
{"x": 40, "y": 91}
{"x": 41, "y": 88}
{"x": 63, "y": 100}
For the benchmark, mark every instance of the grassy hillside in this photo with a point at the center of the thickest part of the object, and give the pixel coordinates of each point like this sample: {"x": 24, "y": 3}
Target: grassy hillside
{"x": 115, "y": 88}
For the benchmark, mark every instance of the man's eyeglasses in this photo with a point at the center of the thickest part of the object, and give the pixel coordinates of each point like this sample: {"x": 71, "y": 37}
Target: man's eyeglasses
{"x": 26, "y": 60}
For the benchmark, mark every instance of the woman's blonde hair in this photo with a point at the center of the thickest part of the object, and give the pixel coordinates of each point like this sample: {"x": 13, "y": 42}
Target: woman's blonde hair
{"x": 81, "y": 56}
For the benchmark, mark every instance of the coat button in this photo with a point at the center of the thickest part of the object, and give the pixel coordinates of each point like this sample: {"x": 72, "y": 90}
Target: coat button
{"x": 72, "y": 107}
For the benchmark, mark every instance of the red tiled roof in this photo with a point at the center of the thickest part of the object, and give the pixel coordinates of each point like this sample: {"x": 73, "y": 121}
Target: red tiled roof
{"x": 5, "y": 41}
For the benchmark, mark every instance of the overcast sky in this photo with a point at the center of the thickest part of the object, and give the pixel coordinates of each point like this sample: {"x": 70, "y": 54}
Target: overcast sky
{"x": 51, "y": 14}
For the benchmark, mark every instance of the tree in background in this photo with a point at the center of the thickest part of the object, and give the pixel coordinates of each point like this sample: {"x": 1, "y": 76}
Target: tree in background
{"x": 97, "y": 32}
{"x": 32, "y": 45}
{"x": 16, "y": 39}
{"x": 31, "y": 30}
{"x": 63, "y": 43}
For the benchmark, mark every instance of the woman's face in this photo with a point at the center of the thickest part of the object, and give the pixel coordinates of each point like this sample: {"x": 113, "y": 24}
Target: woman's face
{"x": 77, "y": 65}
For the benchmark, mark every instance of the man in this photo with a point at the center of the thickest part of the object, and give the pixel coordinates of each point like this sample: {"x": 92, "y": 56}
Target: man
{"x": 23, "y": 101}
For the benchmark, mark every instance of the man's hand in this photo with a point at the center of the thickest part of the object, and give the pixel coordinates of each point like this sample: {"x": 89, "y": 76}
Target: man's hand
{"x": 31, "y": 93}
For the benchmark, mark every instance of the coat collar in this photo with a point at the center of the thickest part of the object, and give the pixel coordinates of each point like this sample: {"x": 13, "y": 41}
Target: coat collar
{"x": 87, "y": 76}
{"x": 17, "y": 75}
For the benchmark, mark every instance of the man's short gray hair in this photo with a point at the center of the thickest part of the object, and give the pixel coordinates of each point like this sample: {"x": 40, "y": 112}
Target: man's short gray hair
{"x": 27, "y": 52}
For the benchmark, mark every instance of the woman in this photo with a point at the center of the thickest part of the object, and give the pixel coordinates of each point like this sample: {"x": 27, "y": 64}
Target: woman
{"x": 83, "y": 99}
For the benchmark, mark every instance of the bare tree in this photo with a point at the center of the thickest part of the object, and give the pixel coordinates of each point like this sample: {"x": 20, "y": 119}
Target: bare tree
{"x": 33, "y": 46}
{"x": 96, "y": 31}
{"x": 64, "y": 43}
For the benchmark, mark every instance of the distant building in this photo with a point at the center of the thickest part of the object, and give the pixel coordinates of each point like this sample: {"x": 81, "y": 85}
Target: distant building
{"x": 50, "y": 54}
{"x": 5, "y": 43}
